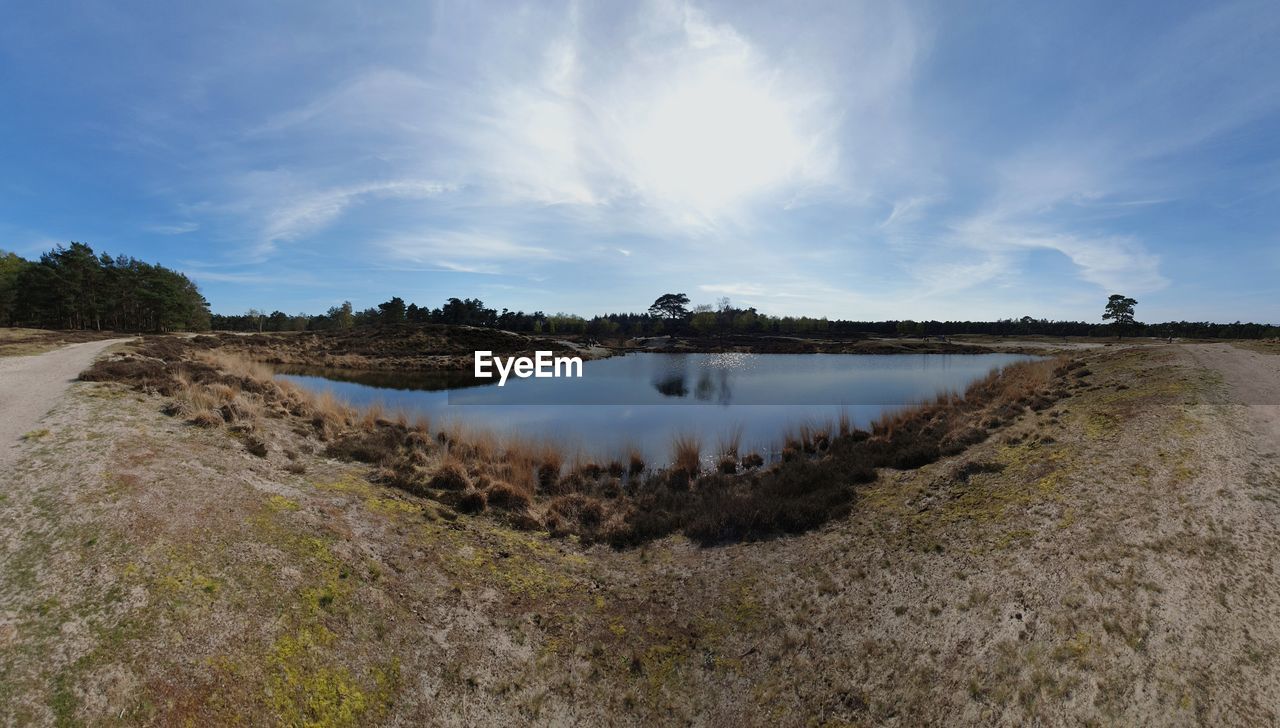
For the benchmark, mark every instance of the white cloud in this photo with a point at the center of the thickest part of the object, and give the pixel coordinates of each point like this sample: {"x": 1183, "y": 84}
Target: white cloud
{"x": 692, "y": 122}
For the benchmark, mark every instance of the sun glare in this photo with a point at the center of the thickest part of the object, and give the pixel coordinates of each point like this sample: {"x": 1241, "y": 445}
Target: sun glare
{"x": 712, "y": 140}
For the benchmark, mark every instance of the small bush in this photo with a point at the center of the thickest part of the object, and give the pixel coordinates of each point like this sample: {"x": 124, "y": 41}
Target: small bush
{"x": 549, "y": 475}
{"x": 206, "y": 418}
{"x": 957, "y": 442}
{"x": 582, "y": 511}
{"x": 377, "y": 446}
{"x": 256, "y": 446}
{"x": 508, "y": 497}
{"x": 915, "y": 455}
{"x": 974, "y": 467}
{"x": 686, "y": 454}
{"x": 635, "y": 462}
{"x": 129, "y": 369}
{"x": 450, "y": 476}
{"x": 473, "y": 501}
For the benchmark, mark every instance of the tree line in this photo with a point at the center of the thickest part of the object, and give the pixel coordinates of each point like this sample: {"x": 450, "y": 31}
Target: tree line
{"x": 672, "y": 314}
{"x": 74, "y": 288}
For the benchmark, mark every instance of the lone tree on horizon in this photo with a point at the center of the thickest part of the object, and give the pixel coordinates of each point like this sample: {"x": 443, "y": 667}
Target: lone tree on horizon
{"x": 670, "y": 306}
{"x": 1120, "y": 311}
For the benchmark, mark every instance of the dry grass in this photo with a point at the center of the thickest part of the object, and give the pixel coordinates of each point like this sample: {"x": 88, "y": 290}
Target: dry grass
{"x": 17, "y": 341}
{"x": 686, "y": 459}
{"x": 635, "y": 462}
{"x": 450, "y": 475}
{"x": 236, "y": 366}
{"x": 508, "y": 497}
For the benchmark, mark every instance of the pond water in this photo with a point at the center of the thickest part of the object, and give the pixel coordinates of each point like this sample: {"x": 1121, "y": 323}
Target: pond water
{"x": 642, "y": 400}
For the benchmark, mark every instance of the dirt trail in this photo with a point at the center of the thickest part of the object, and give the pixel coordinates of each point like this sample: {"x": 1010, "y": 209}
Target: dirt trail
{"x": 31, "y": 385}
{"x": 1252, "y": 378}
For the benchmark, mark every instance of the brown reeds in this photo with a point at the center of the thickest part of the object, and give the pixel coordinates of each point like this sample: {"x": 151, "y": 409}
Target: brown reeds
{"x": 686, "y": 459}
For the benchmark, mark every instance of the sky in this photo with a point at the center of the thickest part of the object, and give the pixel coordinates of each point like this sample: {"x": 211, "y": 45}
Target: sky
{"x": 859, "y": 160}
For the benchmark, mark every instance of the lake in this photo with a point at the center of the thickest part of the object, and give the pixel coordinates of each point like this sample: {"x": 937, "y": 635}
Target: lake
{"x": 641, "y": 400}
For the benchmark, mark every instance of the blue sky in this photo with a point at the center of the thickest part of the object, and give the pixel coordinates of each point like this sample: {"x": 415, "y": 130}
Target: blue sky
{"x": 859, "y": 160}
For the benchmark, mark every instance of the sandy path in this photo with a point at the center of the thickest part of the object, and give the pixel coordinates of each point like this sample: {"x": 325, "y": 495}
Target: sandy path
{"x": 1253, "y": 380}
{"x": 31, "y": 385}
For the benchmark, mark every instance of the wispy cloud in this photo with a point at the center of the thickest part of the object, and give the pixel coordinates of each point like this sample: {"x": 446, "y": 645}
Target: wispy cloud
{"x": 291, "y": 213}
{"x": 907, "y": 210}
{"x": 1113, "y": 263}
{"x": 180, "y": 228}
{"x": 464, "y": 251}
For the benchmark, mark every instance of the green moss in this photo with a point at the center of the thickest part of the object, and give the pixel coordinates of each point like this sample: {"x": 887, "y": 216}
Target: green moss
{"x": 393, "y": 506}
{"x": 1017, "y": 535}
{"x": 348, "y": 484}
{"x": 279, "y": 503}
{"x": 1101, "y": 425}
{"x": 305, "y": 685}
{"x": 303, "y": 689}
{"x": 179, "y": 578}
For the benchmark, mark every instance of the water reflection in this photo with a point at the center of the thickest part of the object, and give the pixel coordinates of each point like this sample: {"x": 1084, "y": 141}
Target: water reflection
{"x": 671, "y": 384}
{"x": 713, "y": 380}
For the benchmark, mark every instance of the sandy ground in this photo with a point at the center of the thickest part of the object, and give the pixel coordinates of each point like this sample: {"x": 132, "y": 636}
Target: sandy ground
{"x": 1109, "y": 561}
{"x": 31, "y": 385}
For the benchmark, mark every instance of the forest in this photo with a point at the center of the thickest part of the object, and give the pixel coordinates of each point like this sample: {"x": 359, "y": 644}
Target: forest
{"x": 74, "y": 288}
